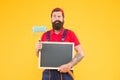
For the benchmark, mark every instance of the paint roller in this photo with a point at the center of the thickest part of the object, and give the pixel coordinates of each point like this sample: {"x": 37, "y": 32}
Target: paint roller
{"x": 39, "y": 29}
{"x": 36, "y": 30}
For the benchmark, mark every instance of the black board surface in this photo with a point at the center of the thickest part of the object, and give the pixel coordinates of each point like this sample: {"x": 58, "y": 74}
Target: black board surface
{"x": 54, "y": 54}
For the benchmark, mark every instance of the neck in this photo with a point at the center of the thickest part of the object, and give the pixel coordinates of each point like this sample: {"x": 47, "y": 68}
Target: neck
{"x": 57, "y": 31}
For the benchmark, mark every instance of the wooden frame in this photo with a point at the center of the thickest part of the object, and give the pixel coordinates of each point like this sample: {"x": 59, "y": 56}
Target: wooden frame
{"x": 54, "y": 54}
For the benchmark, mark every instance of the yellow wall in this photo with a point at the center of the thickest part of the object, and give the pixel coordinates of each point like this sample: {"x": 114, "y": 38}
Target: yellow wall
{"x": 95, "y": 22}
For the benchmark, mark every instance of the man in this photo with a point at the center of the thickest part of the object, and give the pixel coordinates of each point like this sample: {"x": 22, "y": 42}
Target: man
{"x": 57, "y": 18}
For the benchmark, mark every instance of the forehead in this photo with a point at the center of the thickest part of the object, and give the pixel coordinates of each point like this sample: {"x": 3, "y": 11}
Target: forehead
{"x": 57, "y": 13}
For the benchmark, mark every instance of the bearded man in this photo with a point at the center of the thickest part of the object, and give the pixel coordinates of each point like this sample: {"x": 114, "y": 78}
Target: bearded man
{"x": 55, "y": 35}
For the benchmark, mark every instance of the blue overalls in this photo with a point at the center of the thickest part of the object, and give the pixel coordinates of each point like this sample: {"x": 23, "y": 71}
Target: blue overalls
{"x": 55, "y": 75}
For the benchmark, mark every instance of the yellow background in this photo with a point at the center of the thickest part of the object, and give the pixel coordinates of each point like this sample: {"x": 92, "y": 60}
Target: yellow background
{"x": 95, "y": 22}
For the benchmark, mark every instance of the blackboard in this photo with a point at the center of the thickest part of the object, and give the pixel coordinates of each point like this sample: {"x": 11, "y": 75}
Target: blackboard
{"x": 54, "y": 54}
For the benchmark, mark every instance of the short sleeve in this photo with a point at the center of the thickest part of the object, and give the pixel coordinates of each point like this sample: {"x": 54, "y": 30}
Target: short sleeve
{"x": 74, "y": 38}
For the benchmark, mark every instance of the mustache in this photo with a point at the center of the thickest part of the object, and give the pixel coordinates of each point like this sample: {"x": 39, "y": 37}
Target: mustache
{"x": 57, "y": 21}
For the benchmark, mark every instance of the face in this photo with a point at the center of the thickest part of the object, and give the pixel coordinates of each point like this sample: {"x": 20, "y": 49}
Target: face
{"x": 57, "y": 20}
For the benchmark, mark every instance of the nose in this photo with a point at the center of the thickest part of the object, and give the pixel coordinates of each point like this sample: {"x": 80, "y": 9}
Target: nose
{"x": 56, "y": 18}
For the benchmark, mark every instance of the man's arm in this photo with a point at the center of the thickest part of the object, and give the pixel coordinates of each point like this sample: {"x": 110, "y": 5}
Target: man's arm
{"x": 79, "y": 55}
{"x": 77, "y": 58}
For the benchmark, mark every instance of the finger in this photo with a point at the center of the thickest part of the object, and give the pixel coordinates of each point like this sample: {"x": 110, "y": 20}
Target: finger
{"x": 39, "y": 40}
{"x": 58, "y": 69}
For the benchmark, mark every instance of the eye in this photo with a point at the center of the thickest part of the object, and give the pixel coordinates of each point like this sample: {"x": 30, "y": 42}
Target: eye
{"x": 59, "y": 16}
{"x": 54, "y": 16}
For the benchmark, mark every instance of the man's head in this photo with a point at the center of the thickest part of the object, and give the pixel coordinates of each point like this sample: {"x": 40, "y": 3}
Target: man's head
{"x": 57, "y": 17}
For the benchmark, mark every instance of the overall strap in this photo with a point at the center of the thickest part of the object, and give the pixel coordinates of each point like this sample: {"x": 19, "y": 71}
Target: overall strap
{"x": 64, "y": 34}
{"x": 48, "y": 36}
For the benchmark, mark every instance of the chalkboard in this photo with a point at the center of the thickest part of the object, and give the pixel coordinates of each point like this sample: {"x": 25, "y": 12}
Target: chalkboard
{"x": 54, "y": 54}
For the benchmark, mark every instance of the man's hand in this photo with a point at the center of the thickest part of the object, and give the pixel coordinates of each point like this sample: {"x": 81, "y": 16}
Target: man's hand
{"x": 38, "y": 47}
{"x": 65, "y": 68}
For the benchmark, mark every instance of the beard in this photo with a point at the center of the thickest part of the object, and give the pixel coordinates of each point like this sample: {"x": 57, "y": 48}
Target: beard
{"x": 57, "y": 25}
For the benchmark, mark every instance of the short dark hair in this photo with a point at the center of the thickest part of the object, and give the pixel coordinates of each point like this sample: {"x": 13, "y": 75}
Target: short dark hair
{"x": 56, "y": 10}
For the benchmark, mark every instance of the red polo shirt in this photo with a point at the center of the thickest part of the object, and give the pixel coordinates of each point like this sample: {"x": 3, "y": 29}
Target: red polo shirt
{"x": 70, "y": 37}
